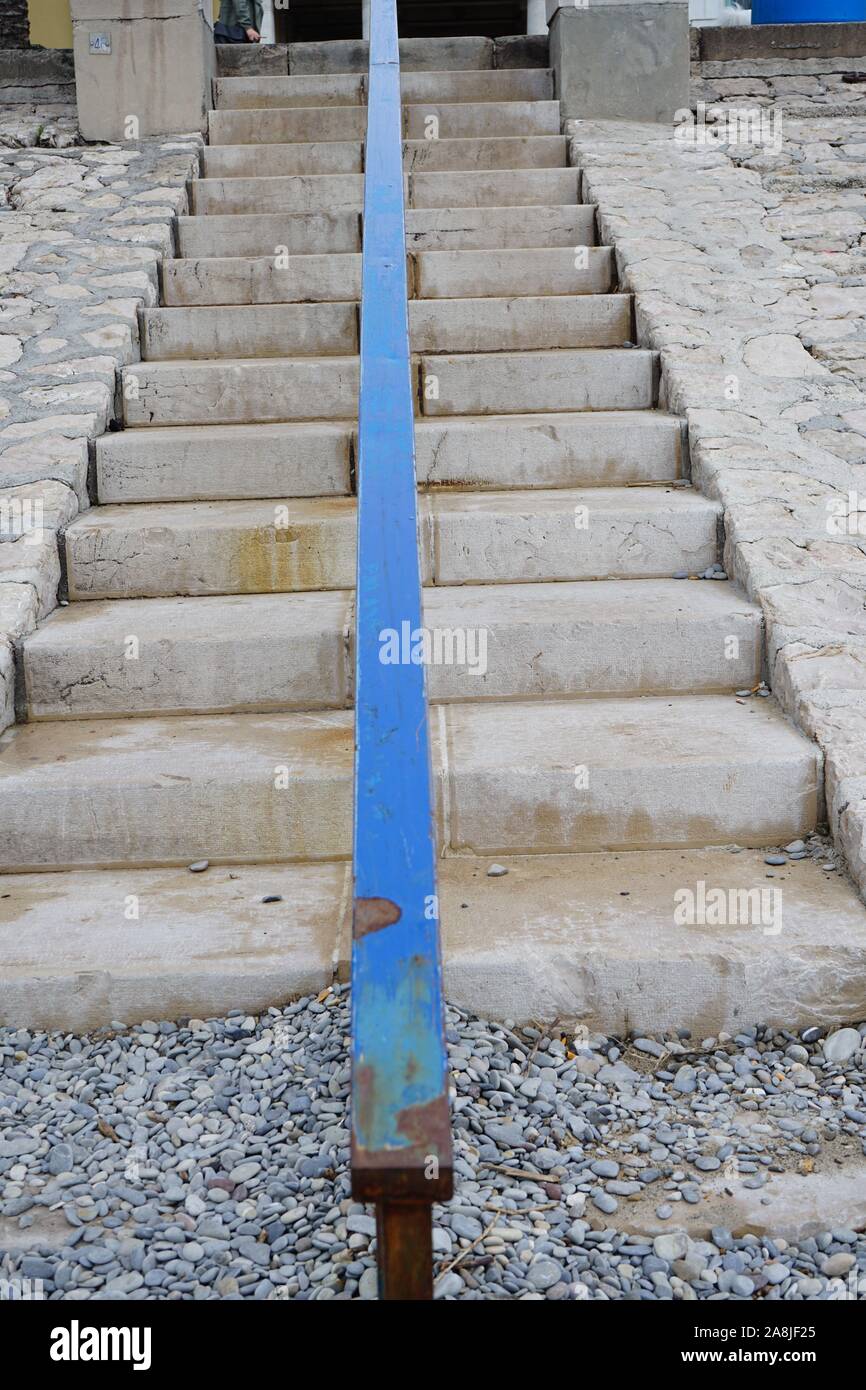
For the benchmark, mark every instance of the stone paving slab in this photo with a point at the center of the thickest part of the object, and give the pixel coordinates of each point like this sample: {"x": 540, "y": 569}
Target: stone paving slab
{"x": 751, "y": 281}
{"x": 82, "y": 229}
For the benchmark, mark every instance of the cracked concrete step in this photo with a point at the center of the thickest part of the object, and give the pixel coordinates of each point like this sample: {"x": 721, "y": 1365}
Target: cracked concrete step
{"x": 250, "y": 132}
{"x": 427, "y": 229}
{"x": 496, "y": 383}
{"x": 655, "y": 772}
{"x": 439, "y": 54}
{"x": 315, "y": 193}
{"x": 268, "y": 390}
{"x": 326, "y": 89}
{"x": 464, "y": 275}
{"x": 276, "y": 546}
{"x": 554, "y": 938}
{"x": 314, "y": 459}
{"x": 444, "y": 325}
{"x": 469, "y": 229}
{"x": 264, "y": 652}
{"x": 286, "y": 330}
{"x": 323, "y": 156}
{"x": 273, "y": 160}
{"x": 259, "y": 234}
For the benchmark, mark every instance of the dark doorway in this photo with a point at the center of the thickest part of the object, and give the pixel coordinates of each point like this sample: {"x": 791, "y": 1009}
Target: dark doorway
{"x": 311, "y": 20}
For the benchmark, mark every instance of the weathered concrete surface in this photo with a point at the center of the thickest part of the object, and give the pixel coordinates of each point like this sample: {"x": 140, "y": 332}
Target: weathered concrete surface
{"x": 760, "y": 343}
{"x": 617, "y": 60}
{"x": 251, "y": 787}
{"x": 554, "y": 939}
{"x": 159, "y": 68}
{"x": 295, "y": 651}
{"x": 77, "y": 258}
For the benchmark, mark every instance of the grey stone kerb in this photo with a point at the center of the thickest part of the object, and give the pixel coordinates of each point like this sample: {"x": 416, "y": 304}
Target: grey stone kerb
{"x": 620, "y": 59}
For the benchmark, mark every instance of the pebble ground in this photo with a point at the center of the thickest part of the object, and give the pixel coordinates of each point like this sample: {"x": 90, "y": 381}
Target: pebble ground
{"x": 209, "y": 1159}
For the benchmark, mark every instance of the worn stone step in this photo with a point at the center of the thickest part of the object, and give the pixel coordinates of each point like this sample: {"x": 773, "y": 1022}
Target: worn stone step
{"x": 345, "y": 89}
{"x": 511, "y": 777}
{"x": 314, "y": 459}
{"x": 259, "y": 234}
{"x": 553, "y": 939}
{"x": 310, "y": 193}
{"x": 426, "y": 54}
{"x": 468, "y": 275}
{"x": 504, "y": 382}
{"x": 294, "y": 651}
{"x": 465, "y": 229}
{"x": 297, "y": 330}
{"x": 452, "y": 325}
{"x": 522, "y": 271}
{"x": 534, "y": 152}
{"x": 322, "y": 156}
{"x": 493, "y": 188}
{"x": 263, "y": 390}
{"x": 427, "y": 229}
{"x": 300, "y": 459}
{"x": 278, "y": 546}
{"x": 251, "y": 133}
{"x": 269, "y": 389}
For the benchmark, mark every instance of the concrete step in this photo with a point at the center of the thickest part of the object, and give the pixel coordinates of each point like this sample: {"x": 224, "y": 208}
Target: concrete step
{"x": 522, "y": 271}
{"x": 466, "y": 229}
{"x": 463, "y": 275}
{"x": 225, "y": 461}
{"x": 259, "y": 234}
{"x": 345, "y": 89}
{"x": 657, "y": 772}
{"x": 237, "y": 392}
{"x": 532, "y": 152}
{"x": 493, "y": 188}
{"x": 249, "y": 131}
{"x": 427, "y": 229}
{"x": 497, "y": 383}
{"x": 314, "y": 459}
{"x": 337, "y": 156}
{"x": 296, "y": 330}
{"x": 281, "y": 652}
{"x": 312, "y": 193}
{"x": 553, "y": 939}
{"x": 346, "y": 157}
{"x": 269, "y": 390}
{"x": 274, "y": 546}
{"x": 426, "y": 54}
{"x": 452, "y": 325}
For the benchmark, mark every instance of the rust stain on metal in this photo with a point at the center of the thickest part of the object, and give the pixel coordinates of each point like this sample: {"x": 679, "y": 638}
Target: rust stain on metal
{"x": 427, "y": 1126}
{"x": 372, "y": 915}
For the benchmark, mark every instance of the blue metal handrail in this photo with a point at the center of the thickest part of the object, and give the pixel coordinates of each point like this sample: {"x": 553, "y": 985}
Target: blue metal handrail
{"x": 401, "y": 1140}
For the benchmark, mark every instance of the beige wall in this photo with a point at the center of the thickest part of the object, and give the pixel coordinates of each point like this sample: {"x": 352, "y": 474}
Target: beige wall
{"x": 51, "y": 26}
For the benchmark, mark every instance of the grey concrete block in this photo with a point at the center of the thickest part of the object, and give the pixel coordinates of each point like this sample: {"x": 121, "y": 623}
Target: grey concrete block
{"x": 621, "y": 61}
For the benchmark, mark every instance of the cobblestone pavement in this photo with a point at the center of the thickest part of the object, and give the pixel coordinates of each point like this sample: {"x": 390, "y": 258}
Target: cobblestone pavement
{"x": 81, "y": 232}
{"x": 748, "y": 264}
{"x": 209, "y": 1159}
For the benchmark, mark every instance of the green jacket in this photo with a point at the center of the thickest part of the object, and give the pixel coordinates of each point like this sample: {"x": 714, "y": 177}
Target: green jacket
{"x": 247, "y": 13}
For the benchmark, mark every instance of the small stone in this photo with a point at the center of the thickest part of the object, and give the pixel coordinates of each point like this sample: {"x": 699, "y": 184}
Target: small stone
{"x": 199, "y": 866}
{"x": 544, "y": 1273}
{"x": 496, "y": 871}
{"x": 368, "y": 1285}
{"x": 605, "y": 1203}
{"x": 838, "y": 1265}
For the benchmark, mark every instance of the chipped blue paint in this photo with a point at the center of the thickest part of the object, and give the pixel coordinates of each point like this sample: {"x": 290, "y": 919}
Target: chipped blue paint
{"x": 398, "y": 1049}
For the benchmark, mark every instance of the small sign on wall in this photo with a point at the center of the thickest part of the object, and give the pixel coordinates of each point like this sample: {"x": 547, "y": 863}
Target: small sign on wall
{"x": 100, "y": 43}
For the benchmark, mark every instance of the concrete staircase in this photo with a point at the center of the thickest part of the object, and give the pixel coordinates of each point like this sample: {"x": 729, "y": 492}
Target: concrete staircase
{"x": 193, "y": 700}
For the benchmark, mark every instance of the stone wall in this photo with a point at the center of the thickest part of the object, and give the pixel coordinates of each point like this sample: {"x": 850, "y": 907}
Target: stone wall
{"x": 81, "y": 232}
{"x": 14, "y": 24}
{"x": 43, "y": 77}
{"x": 824, "y": 64}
